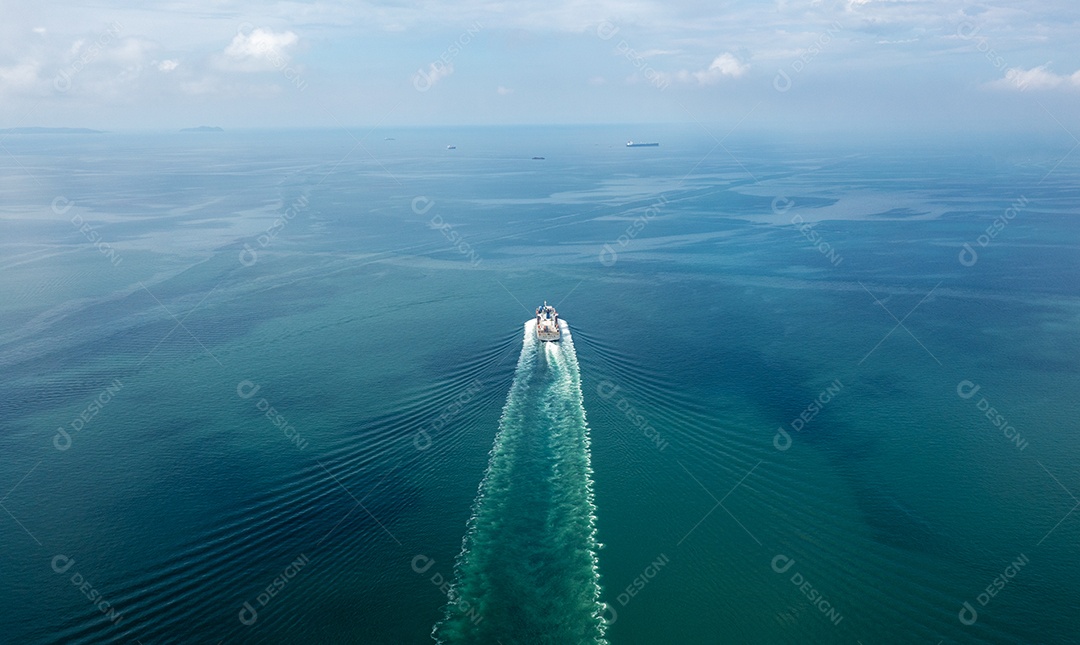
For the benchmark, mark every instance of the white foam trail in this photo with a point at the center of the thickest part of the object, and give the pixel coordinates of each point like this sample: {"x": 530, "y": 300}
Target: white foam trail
{"x": 528, "y": 568}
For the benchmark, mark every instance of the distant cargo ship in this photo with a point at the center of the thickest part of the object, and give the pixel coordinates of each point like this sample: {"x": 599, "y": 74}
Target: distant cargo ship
{"x": 547, "y": 323}
{"x": 631, "y": 144}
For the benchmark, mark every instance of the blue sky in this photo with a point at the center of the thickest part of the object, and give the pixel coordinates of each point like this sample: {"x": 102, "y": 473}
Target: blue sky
{"x": 877, "y": 64}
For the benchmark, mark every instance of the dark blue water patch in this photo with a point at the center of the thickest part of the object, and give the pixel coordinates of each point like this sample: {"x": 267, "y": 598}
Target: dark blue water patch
{"x": 241, "y": 559}
{"x": 730, "y": 362}
{"x": 26, "y": 392}
{"x": 780, "y": 385}
{"x": 853, "y": 450}
{"x": 892, "y": 523}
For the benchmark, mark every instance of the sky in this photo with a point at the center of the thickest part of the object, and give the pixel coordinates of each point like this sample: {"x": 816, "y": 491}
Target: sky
{"x": 889, "y": 65}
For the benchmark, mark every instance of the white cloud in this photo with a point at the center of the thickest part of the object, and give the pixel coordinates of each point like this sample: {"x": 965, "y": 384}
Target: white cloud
{"x": 257, "y": 51}
{"x": 20, "y": 76}
{"x": 126, "y": 52}
{"x": 725, "y": 64}
{"x": 853, "y": 40}
{"x": 1036, "y": 78}
{"x": 503, "y": 91}
{"x": 259, "y": 42}
{"x": 90, "y": 66}
{"x": 650, "y": 53}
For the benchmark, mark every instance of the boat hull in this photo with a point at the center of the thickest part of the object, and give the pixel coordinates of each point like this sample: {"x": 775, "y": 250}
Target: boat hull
{"x": 547, "y": 323}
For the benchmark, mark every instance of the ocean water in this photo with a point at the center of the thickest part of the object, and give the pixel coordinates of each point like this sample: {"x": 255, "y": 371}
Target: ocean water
{"x": 273, "y": 386}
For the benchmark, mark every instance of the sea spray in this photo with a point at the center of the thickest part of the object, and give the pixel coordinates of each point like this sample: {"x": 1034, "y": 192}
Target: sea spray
{"x": 528, "y": 565}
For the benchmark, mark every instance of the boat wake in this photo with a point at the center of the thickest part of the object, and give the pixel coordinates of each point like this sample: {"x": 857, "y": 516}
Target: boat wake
{"x": 528, "y": 571}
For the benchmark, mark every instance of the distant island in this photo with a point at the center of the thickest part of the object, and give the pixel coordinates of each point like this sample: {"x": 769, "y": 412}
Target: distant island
{"x": 50, "y": 131}
{"x": 203, "y": 128}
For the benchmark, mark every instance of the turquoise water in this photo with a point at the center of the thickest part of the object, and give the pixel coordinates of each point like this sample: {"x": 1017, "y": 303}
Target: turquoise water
{"x": 374, "y": 298}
